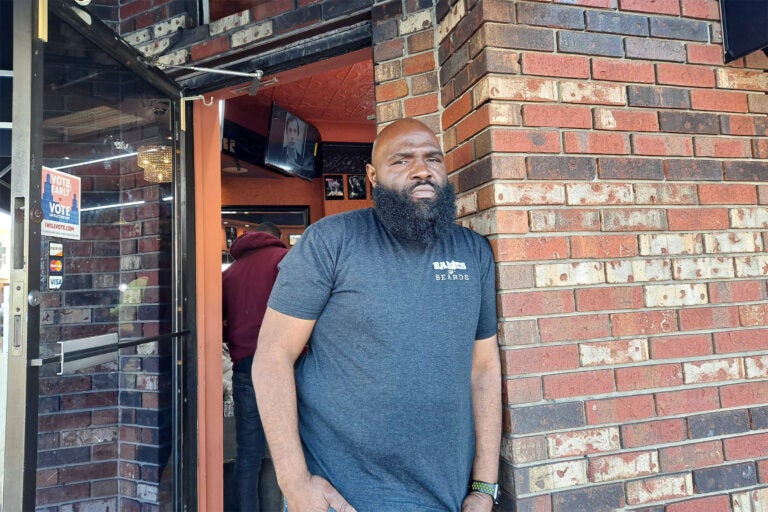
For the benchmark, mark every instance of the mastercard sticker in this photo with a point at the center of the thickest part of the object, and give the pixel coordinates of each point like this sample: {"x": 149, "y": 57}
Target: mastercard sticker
{"x": 56, "y": 266}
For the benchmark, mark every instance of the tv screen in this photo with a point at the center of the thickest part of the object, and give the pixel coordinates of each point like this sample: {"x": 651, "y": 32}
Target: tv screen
{"x": 744, "y": 27}
{"x": 292, "y": 144}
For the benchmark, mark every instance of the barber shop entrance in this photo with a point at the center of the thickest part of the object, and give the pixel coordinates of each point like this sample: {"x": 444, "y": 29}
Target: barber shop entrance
{"x": 110, "y": 378}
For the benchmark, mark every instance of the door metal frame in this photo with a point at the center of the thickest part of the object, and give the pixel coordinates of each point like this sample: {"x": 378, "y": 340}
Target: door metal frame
{"x": 19, "y": 446}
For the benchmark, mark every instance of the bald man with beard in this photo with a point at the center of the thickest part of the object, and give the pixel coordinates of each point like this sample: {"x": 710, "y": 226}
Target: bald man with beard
{"x": 396, "y": 404}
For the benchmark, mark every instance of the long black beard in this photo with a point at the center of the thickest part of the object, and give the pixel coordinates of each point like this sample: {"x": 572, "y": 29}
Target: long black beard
{"x": 418, "y": 220}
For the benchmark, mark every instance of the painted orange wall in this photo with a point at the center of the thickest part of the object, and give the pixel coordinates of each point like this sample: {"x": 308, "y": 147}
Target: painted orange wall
{"x": 210, "y": 420}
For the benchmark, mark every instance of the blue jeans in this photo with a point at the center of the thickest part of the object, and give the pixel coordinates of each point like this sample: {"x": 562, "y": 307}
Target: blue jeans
{"x": 251, "y": 443}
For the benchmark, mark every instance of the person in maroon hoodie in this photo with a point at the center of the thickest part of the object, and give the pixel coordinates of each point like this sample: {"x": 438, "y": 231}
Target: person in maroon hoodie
{"x": 247, "y": 284}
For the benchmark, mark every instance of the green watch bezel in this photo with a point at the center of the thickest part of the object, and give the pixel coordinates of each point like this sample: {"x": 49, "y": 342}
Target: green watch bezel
{"x": 486, "y": 488}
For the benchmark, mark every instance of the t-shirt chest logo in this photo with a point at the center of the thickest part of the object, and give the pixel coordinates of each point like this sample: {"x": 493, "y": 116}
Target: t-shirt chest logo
{"x": 450, "y": 271}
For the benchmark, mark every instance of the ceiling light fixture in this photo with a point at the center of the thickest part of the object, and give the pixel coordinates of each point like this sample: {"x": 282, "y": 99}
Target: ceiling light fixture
{"x": 157, "y": 162}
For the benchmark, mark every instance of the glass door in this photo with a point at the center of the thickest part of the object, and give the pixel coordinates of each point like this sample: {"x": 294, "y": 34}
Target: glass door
{"x": 97, "y": 286}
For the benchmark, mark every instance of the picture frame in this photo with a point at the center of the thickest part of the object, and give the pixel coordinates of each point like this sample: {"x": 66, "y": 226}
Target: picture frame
{"x": 357, "y": 186}
{"x": 334, "y": 186}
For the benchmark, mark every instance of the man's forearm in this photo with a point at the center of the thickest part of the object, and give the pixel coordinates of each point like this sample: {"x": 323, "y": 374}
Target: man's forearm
{"x": 275, "y": 388}
{"x": 486, "y": 400}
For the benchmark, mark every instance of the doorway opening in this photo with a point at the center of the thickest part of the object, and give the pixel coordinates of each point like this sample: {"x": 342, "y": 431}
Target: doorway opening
{"x": 336, "y": 97}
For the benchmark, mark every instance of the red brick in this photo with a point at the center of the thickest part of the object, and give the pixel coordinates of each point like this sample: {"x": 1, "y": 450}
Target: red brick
{"x": 718, "y": 147}
{"x": 674, "y": 347}
{"x": 705, "y": 53}
{"x": 762, "y": 470}
{"x": 521, "y": 391}
{"x": 609, "y": 299}
{"x": 587, "y": 383}
{"x": 741, "y": 341}
{"x": 619, "y": 410}
{"x": 210, "y": 47}
{"x": 535, "y": 360}
{"x": 475, "y": 122}
{"x": 419, "y": 64}
{"x": 421, "y": 41}
{"x": 459, "y": 157}
{"x": 719, "y": 101}
{"x": 687, "y": 401}
{"x": 456, "y": 110}
{"x": 648, "y": 376}
{"x": 574, "y": 328}
{"x": 623, "y": 71}
{"x": 604, "y": 246}
{"x": 532, "y": 249}
{"x": 391, "y": 90}
{"x": 685, "y": 74}
{"x": 662, "y": 145}
{"x": 651, "y": 6}
{"x": 701, "y": 9}
{"x": 596, "y": 142}
{"x": 530, "y": 303}
{"x": 736, "y": 291}
{"x": 559, "y": 65}
{"x": 129, "y": 9}
{"x": 643, "y": 323}
{"x": 739, "y": 395}
{"x": 563, "y": 116}
{"x": 746, "y": 447}
{"x": 719, "y": 193}
{"x": 690, "y": 456}
{"x": 626, "y": 120}
{"x": 421, "y": 105}
{"x": 526, "y": 141}
{"x": 709, "y": 318}
{"x": 513, "y": 277}
{"x": 653, "y": 432}
{"x": 266, "y": 10}
{"x": 518, "y": 332}
{"x": 760, "y": 149}
{"x": 721, "y": 503}
{"x": 687, "y": 219}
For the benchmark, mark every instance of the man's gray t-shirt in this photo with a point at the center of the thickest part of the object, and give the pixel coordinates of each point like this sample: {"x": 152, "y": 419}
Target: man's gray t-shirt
{"x": 385, "y": 408}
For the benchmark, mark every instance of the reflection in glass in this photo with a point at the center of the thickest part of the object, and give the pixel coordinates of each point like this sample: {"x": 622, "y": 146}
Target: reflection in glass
{"x": 105, "y": 432}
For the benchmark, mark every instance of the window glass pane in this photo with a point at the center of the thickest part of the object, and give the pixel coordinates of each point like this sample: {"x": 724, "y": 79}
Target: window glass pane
{"x": 107, "y": 199}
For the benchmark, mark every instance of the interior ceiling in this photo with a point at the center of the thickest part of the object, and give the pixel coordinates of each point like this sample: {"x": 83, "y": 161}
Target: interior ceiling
{"x": 339, "y": 95}
{"x": 328, "y": 94}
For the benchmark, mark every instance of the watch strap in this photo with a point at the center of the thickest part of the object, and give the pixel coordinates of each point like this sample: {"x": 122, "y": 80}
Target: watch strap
{"x": 485, "y": 487}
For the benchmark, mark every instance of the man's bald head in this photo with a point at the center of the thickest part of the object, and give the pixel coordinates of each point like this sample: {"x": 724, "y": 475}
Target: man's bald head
{"x": 400, "y": 128}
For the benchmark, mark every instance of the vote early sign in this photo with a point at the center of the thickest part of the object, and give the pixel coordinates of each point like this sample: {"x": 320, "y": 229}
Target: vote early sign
{"x": 61, "y": 211}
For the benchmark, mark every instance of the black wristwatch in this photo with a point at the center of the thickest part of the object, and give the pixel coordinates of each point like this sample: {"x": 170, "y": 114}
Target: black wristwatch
{"x": 486, "y": 488}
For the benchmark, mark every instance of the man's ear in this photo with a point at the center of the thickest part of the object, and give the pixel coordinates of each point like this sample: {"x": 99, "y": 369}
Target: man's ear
{"x": 370, "y": 170}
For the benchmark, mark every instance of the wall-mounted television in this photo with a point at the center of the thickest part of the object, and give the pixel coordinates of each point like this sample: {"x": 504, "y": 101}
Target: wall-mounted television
{"x": 292, "y": 144}
{"x": 745, "y": 27}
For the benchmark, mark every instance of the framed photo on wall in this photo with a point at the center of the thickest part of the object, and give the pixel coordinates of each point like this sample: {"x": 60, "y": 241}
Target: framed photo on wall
{"x": 356, "y": 188}
{"x": 334, "y": 186}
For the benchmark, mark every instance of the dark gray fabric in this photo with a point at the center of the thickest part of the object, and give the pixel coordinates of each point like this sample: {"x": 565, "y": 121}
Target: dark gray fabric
{"x": 384, "y": 390}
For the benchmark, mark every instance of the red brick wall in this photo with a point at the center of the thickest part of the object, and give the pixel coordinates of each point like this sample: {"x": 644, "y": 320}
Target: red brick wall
{"x": 618, "y": 168}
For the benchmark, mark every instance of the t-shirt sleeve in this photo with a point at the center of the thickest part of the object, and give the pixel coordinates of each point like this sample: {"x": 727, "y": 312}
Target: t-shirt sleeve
{"x": 487, "y": 324}
{"x": 305, "y": 278}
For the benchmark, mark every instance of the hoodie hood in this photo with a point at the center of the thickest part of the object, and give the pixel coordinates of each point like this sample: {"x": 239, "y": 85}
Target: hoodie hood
{"x": 254, "y": 240}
